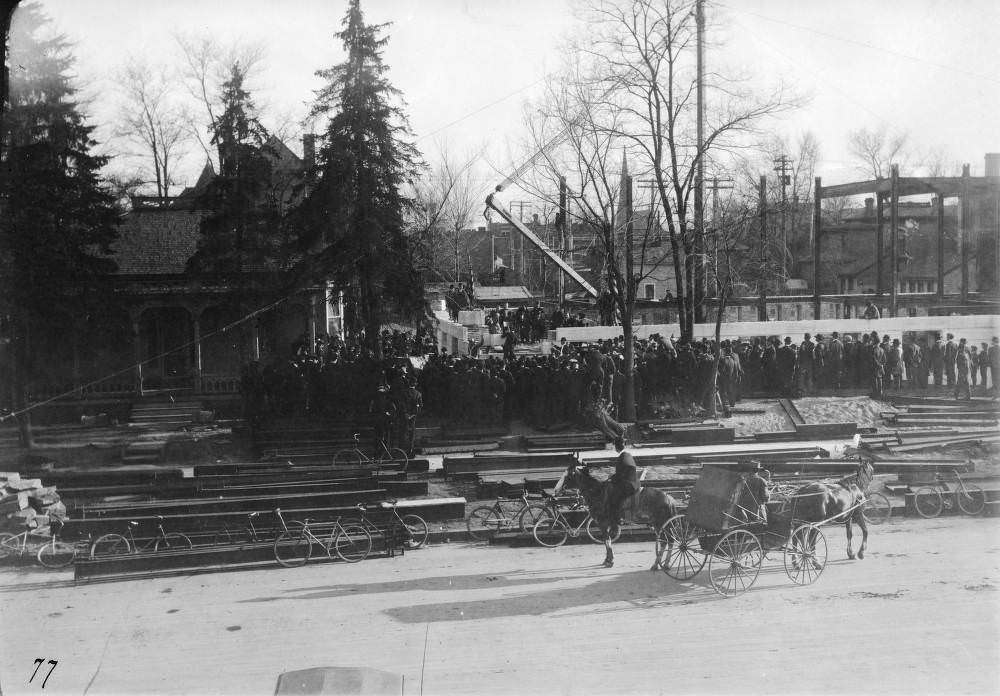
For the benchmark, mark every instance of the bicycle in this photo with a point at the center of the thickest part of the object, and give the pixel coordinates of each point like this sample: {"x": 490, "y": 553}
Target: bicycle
{"x": 293, "y": 547}
{"x": 931, "y": 500}
{"x": 52, "y": 553}
{"x": 55, "y": 553}
{"x": 247, "y": 535}
{"x": 116, "y": 544}
{"x": 416, "y": 528}
{"x": 355, "y": 457}
{"x": 554, "y": 531}
{"x": 485, "y": 521}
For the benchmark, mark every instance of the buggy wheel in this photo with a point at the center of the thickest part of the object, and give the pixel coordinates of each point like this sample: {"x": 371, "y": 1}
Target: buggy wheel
{"x": 971, "y": 501}
{"x": 549, "y": 531}
{"x": 876, "y": 509}
{"x": 484, "y": 523}
{"x": 292, "y": 549}
{"x": 416, "y": 527}
{"x": 173, "y": 541}
{"x": 56, "y": 554}
{"x": 353, "y": 543}
{"x": 928, "y": 502}
{"x": 685, "y": 558}
{"x": 347, "y": 457}
{"x": 735, "y": 563}
{"x": 530, "y": 516}
{"x": 110, "y": 545}
{"x": 805, "y": 555}
{"x": 596, "y": 534}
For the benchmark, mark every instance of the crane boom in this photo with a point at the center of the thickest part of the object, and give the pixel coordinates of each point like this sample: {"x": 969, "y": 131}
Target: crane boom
{"x": 492, "y": 203}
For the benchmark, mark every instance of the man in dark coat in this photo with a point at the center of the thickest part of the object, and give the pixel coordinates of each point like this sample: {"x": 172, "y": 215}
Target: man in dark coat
{"x": 962, "y": 364}
{"x": 622, "y": 484}
{"x": 786, "y": 362}
{"x": 994, "y": 361}
{"x": 876, "y": 366}
{"x": 834, "y": 361}
{"x": 950, "y": 355}
{"x": 807, "y": 365}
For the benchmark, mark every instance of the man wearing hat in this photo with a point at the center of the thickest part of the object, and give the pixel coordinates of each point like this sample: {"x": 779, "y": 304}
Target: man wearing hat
{"x": 950, "y": 355}
{"x": 993, "y": 355}
{"x": 623, "y": 483}
{"x": 383, "y": 411}
{"x": 937, "y": 360}
{"x": 962, "y": 363}
{"x": 834, "y": 361}
{"x": 806, "y": 365}
{"x": 786, "y": 362}
{"x": 753, "y": 497}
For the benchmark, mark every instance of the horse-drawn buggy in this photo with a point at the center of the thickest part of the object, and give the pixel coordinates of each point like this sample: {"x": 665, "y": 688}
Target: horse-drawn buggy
{"x": 730, "y": 526}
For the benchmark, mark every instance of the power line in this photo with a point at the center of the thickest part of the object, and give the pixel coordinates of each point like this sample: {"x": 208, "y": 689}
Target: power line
{"x": 481, "y": 109}
{"x": 864, "y": 44}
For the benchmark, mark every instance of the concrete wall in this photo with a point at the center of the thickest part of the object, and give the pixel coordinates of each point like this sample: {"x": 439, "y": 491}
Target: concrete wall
{"x": 450, "y": 335}
{"x": 976, "y": 329}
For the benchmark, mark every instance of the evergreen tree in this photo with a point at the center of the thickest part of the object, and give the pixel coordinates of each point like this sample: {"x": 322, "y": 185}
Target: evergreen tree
{"x": 239, "y": 234}
{"x": 352, "y": 224}
{"x": 57, "y": 222}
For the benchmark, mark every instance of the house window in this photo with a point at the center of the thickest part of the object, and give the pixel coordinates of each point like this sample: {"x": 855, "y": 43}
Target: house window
{"x": 650, "y": 291}
{"x": 931, "y": 286}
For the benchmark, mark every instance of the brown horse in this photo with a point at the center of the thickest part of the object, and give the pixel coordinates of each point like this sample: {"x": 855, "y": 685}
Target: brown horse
{"x": 823, "y": 502}
{"x": 649, "y": 506}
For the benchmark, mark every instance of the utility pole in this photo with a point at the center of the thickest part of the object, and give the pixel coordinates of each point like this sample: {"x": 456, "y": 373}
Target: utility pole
{"x": 561, "y": 231}
{"x": 782, "y": 167}
{"x": 628, "y": 398}
{"x": 520, "y": 205}
{"x": 698, "y": 291}
{"x": 717, "y": 185}
{"x": 762, "y": 309}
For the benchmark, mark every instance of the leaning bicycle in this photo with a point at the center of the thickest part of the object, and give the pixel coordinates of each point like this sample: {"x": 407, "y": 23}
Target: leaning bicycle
{"x": 506, "y": 512}
{"x": 383, "y": 454}
{"x": 930, "y": 501}
{"x": 556, "y": 530}
{"x": 294, "y": 545}
{"x": 118, "y": 544}
{"x": 410, "y": 528}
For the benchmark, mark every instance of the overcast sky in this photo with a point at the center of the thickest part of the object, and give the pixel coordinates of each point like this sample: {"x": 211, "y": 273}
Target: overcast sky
{"x": 926, "y": 67}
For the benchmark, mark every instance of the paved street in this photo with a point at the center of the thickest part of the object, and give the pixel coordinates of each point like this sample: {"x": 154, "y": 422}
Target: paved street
{"x": 919, "y": 615}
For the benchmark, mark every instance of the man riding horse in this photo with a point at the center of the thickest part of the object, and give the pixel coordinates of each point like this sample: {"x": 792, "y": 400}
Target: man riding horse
{"x": 624, "y": 483}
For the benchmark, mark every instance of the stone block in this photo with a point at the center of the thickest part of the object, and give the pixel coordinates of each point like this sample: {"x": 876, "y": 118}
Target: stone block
{"x": 24, "y": 484}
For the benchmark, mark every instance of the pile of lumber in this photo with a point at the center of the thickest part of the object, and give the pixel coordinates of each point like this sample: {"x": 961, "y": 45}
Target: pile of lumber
{"x": 919, "y": 424}
{"x": 25, "y": 502}
{"x": 565, "y": 442}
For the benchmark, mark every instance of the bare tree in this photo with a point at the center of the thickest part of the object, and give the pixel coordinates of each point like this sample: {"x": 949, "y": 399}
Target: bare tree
{"x": 448, "y": 200}
{"x": 150, "y": 116}
{"x": 206, "y": 64}
{"x": 642, "y": 57}
{"x": 877, "y": 150}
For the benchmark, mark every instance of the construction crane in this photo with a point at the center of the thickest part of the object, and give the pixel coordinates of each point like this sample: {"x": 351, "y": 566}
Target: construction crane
{"x": 493, "y": 204}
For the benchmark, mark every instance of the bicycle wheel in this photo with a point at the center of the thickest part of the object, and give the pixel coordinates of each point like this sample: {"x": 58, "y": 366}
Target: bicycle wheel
{"x": 56, "y": 554}
{"x": 417, "y": 529}
{"x": 972, "y": 500}
{"x": 110, "y": 545}
{"x": 876, "y": 509}
{"x": 292, "y": 549}
{"x": 348, "y": 457}
{"x": 352, "y": 543}
{"x": 529, "y": 516}
{"x": 398, "y": 455}
{"x": 550, "y": 531}
{"x": 172, "y": 541}
{"x": 596, "y": 534}
{"x": 484, "y": 522}
{"x": 928, "y": 502}
{"x": 9, "y": 545}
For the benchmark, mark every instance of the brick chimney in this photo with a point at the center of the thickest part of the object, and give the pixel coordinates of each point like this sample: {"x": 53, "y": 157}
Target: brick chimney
{"x": 309, "y": 157}
{"x": 993, "y": 164}
{"x": 869, "y": 208}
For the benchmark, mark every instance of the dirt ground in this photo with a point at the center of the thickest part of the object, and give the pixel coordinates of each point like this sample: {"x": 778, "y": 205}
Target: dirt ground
{"x": 918, "y": 616}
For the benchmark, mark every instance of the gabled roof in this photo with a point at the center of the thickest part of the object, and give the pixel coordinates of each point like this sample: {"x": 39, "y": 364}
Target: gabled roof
{"x": 156, "y": 242}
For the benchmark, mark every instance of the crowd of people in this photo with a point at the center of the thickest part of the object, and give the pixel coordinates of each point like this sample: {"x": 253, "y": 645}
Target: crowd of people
{"x": 585, "y": 383}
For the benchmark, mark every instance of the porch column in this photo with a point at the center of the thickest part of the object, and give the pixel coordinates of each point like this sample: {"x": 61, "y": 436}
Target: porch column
{"x": 196, "y": 324}
{"x": 137, "y": 354}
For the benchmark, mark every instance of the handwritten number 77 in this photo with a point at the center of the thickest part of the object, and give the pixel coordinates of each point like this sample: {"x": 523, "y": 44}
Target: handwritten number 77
{"x": 38, "y": 663}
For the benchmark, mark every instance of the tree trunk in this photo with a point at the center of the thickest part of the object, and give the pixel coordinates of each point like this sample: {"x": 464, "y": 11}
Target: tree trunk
{"x": 628, "y": 398}
{"x": 21, "y": 381}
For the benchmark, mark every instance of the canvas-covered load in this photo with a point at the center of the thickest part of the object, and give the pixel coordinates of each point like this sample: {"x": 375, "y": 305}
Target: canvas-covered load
{"x": 713, "y": 505}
